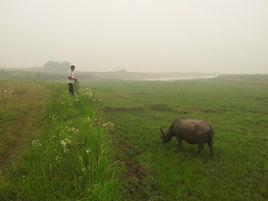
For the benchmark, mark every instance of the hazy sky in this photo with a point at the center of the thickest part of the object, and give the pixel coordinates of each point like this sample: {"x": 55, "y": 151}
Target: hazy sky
{"x": 138, "y": 35}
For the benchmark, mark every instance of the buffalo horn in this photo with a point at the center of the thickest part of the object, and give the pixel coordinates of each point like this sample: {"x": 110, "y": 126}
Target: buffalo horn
{"x": 162, "y": 131}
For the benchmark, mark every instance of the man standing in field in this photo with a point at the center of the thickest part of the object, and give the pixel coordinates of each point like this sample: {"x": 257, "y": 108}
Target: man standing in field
{"x": 71, "y": 79}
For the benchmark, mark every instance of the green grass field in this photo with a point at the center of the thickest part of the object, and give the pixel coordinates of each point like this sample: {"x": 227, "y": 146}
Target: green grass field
{"x": 20, "y": 106}
{"x": 57, "y": 147}
{"x": 238, "y": 109}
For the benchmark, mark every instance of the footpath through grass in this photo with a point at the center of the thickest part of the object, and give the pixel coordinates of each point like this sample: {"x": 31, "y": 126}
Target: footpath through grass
{"x": 156, "y": 171}
{"x": 71, "y": 159}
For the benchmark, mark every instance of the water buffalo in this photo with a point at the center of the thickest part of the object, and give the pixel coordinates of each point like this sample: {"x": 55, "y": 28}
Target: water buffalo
{"x": 192, "y": 131}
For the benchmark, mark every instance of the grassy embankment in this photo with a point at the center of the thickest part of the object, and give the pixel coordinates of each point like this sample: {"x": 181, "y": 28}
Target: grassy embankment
{"x": 155, "y": 171}
{"x": 70, "y": 157}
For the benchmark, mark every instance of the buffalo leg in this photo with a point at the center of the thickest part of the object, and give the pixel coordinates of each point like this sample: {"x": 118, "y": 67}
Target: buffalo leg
{"x": 210, "y": 147}
{"x": 200, "y": 148}
{"x": 179, "y": 140}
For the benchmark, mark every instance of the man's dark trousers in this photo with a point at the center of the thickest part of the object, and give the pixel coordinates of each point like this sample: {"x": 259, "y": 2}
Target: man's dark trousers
{"x": 71, "y": 88}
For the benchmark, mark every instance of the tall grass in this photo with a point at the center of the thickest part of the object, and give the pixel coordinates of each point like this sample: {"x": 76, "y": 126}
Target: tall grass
{"x": 71, "y": 160}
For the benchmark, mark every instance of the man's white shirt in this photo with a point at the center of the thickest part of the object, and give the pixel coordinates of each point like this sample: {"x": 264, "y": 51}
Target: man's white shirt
{"x": 71, "y": 74}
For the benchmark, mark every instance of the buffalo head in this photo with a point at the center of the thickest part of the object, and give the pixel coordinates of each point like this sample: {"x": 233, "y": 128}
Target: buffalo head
{"x": 163, "y": 136}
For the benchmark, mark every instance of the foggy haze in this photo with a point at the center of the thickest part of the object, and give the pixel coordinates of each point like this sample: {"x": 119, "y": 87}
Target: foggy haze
{"x": 217, "y": 36}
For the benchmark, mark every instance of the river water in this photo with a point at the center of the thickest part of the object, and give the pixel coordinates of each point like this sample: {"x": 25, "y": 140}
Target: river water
{"x": 170, "y": 79}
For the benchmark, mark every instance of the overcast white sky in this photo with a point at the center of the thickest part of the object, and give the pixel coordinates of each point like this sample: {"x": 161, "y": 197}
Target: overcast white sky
{"x": 229, "y": 36}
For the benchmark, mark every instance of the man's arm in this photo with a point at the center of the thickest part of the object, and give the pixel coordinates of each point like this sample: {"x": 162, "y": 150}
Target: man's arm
{"x": 72, "y": 78}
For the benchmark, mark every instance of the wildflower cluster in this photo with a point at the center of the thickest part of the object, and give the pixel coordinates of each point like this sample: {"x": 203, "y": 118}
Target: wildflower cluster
{"x": 52, "y": 116}
{"x": 107, "y": 124}
{"x": 88, "y": 119}
{"x": 7, "y": 91}
{"x": 65, "y": 144}
{"x": 109, "y": 127}
{"x": 89, "y": 92}
{"x": 72, "y": 130}
{"x": 94, "y": 121}
{"x": 6, "y": 94}
{"x": 76, "y": 97}
{"x": 36, "y": 143}
{"x": 91, "y": 95}
{"x": 88, "y": 151}
{"x": 59, "y": 158}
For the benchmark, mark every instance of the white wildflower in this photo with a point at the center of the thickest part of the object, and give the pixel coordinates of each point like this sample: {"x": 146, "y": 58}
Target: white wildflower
{"x": 36, "y": 143}
{"x": 88, "y": 119}
{"x": 109, "y": 127}
{"x": 58, "y": 158}
{"x": 65, "y": 142}
{"x": 72, "y": 130}
{"x": 106, "y": 124}
{"x": 11, "y": 91}
{"x": 52, "y": 116}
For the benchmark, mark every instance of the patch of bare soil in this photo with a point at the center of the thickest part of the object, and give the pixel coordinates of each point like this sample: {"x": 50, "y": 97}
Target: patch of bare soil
{"x": 159, "y": 108}
{"x": 151, "y": 107}
{"x": 194, "y": 110}
{"x": 122, "y": 109}
{"x": 138, "y": 183}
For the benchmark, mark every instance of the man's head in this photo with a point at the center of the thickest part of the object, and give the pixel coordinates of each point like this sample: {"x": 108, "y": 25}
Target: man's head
{"x": 72, "y": 67}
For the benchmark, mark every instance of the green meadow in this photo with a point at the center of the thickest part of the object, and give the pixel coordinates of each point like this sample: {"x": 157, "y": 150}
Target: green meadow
{"x": 237, "y": 106}
{"x": 104, "y": 143}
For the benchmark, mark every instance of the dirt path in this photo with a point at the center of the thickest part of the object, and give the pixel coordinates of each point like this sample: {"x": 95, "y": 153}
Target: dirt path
{"x": 21, "y": 106}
